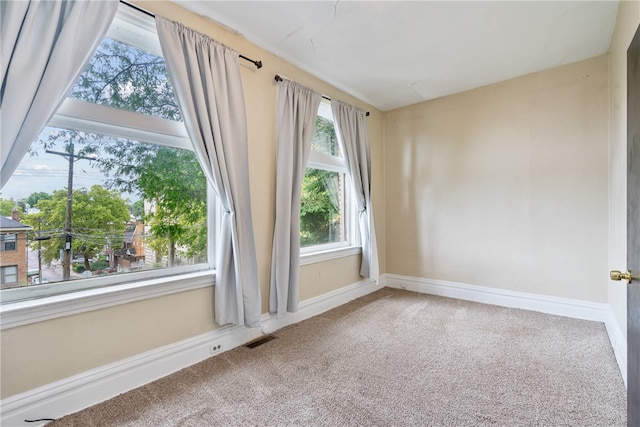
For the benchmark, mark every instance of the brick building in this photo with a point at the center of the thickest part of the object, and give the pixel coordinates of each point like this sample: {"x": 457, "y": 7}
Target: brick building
{"x": 13, "y": 251}
{"x": 132, "y": 255}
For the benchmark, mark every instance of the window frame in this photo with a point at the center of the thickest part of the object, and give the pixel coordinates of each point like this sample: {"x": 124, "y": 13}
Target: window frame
{"x": 324, "y": 161}
{"x": 3, "y": 274}
{"x": 136, "y": 29}
{"x": 4, "y": 241}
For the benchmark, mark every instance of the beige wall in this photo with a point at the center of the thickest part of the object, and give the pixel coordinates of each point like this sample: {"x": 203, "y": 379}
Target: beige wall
{"x": 504, "y": 186}
{"x": 40, "y": 353}
{"x": 628, "y": 21}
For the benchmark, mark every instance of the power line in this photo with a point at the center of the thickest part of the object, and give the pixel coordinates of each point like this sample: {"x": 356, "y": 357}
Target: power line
{"x": 70, "y": 154}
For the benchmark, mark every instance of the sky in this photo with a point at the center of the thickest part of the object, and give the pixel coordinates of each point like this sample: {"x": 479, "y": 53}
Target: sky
{"x": 49, "y": 172}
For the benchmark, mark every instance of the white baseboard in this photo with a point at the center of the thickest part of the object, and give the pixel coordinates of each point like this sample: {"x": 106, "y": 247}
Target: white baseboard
{"x": 618, "y": 343}
{"x": 320, "y": 304}
{"x": 577, "y": 309}
{"x": 80, "y": 391}
{"x": 91, "y": 387}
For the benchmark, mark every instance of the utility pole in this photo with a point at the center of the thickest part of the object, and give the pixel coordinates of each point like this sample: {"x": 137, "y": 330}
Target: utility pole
{"x": 39, "y": 239}
{"x": 66, "y": 260}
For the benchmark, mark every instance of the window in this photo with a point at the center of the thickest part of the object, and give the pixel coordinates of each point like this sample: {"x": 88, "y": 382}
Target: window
{"x": 325, "y": 213}
{"x": 8, "y": 275}
{"x": 114, "y": 191}
{"x": 7, "y": 242}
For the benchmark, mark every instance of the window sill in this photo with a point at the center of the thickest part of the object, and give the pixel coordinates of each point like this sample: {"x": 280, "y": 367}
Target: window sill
{"x": 320, "y": 256}
{"x": 37, "y": 310}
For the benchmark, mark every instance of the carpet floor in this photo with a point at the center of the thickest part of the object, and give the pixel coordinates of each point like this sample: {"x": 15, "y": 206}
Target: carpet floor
{"x": 398, "y": 358}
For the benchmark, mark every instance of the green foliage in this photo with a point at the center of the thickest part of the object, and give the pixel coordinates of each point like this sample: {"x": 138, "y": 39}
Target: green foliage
{"x": 319, "y": 215}
{"x": 79, "y": 268}
{"x": 99, "y": 265}
{"x": 98, "y": 221}
{"x": 7, "y": 206}
{"x": 173, "y": 181}
{"x": 170, "y": 179}
{"x": 137, "y": 209}
{"x": 124, "y": 77}
{"x": 34, "y": 198}
{"x": 319, "y": 208}
{"x": 72, "y": 139}
{"x": 324, "y": 137}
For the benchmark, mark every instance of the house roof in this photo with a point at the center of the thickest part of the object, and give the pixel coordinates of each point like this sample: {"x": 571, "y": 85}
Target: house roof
{"x": 7, "y": 224}
{"x": 128, "y": 235}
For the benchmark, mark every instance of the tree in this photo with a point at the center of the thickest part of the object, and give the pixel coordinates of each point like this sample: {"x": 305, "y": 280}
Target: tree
{"x": 137, "y": 210}
{"x": 7, "y": 206}
{"x": 122, "y": 76}
{"x": 170, "y": 179}
{"x": 33, "y": 198}
{"x": 99, "y": 217}
{"x": 318, "y": 212}
{"x": 324, "y": 137}
{"x": 319, "y": 207}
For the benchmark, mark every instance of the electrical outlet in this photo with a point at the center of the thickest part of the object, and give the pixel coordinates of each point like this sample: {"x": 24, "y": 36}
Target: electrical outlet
{"x": 215, "y": 348}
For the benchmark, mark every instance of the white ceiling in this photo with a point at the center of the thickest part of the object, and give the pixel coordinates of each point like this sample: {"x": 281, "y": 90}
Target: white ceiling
{"x": 395, "y": 53}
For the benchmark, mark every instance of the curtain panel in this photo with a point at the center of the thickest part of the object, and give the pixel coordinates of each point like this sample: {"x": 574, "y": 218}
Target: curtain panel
{"x": 44, "y": 47}
{"x": 296, "y": 118}
{"x": 206, "y": 79}
{"x": 353, "y": 135}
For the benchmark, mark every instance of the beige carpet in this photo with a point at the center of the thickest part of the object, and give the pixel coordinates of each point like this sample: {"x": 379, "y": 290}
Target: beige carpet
{"x": 393, "y": 358}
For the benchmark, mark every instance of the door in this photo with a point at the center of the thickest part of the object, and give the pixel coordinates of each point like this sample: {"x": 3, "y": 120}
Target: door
{"x": 633, "y": 230}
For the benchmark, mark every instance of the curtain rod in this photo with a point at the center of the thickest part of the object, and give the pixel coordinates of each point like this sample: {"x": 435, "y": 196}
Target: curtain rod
{"x": 258, "y": 64}
{"x": 279, "y": 79}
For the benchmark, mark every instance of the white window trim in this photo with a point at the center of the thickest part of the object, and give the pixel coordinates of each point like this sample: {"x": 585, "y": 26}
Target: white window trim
{"x": 33, "y": 292}
{"x": 323, "y": 253}
{"x": 82, "y": 115}
{"x": 324, "y": 110}
{"x": 325, "y": 161}
{"x": 37, "y": 310}
{"x": 4, "y": 274}
{"x": 102, "y": 119}
{"x": 4, "y": 240}
{"x": 136, "y": 29}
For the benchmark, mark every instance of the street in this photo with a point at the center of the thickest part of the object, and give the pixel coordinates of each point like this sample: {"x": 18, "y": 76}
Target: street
{"x": 50, "y": 272}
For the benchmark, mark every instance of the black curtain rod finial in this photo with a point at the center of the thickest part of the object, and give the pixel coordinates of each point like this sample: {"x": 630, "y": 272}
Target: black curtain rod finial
{"x": 258, "y": 64}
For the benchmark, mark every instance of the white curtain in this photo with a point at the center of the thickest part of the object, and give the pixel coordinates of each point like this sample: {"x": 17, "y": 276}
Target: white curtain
{"x": 354, "y": 137}
{"x": 206, "y": 79}
{"x": 296, "y": 118}
{"x": 45, "y": 46}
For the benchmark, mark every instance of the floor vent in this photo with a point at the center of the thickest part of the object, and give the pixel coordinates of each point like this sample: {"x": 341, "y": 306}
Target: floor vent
{"x": 260, "y": 341}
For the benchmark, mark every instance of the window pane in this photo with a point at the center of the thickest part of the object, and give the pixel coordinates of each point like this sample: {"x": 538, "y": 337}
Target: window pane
{"x": 134, "y": 206}
{"x": 322, "y": 208}
{"x": 324, "y": 138}
{"x": 9, "y": 275}
{"x": 128, "y": 78}
{"x": 7, "y": 242}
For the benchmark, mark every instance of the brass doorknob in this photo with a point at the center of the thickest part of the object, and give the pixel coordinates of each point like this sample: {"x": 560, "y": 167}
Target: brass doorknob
{"x": 618, "y": 275}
